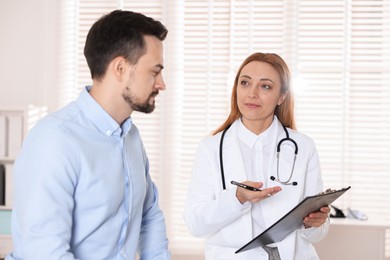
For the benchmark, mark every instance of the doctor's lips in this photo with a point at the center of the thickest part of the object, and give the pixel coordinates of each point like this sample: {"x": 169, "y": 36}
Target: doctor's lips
{"x": 251, "y": 105}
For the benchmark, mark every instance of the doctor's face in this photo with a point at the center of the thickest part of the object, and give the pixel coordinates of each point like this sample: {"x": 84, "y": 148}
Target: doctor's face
{"x": 258, "y": 94}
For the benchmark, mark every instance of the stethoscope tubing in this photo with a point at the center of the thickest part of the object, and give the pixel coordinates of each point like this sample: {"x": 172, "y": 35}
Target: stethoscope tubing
{"x": 278, "y": 147}
{"x": 221, "y": 156}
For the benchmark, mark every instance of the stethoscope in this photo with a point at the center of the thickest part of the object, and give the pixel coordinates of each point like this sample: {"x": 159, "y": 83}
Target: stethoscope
{"x": 287, "y": 182}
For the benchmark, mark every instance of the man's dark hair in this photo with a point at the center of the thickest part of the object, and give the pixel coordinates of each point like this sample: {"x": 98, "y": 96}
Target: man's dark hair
{"x": 119, "y": 33}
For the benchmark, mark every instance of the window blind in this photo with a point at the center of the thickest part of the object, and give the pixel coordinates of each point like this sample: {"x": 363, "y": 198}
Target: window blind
{"x": 337, "y": 51}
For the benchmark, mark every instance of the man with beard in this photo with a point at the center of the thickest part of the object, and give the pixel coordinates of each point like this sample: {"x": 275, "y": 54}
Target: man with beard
{"x": 82, "y": 183}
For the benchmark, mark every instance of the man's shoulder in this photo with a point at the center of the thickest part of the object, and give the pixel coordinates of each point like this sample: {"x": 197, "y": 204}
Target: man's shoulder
{"x": 58, "y": 120}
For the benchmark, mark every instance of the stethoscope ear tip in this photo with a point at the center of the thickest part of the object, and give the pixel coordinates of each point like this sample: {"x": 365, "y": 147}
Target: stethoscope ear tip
{"x": 294, "y": 183}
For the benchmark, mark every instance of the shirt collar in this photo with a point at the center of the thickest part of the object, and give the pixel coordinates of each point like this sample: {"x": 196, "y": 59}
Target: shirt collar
{"x": 99, "y": 117}
{"x": 250, "y": 139}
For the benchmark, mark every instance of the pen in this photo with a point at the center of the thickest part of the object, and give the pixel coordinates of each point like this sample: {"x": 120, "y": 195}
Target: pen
{"x": 239, "y": 184}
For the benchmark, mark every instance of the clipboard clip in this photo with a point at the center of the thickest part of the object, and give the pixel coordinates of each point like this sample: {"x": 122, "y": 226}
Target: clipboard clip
{"x": 327, "y": 191}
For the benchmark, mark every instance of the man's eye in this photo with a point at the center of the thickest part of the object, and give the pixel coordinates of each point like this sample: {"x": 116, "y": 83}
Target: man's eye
{"x": 266, "y": 86}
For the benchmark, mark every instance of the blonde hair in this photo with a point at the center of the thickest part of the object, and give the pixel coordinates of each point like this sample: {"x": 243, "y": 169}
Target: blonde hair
{"x": 285, "y": 111}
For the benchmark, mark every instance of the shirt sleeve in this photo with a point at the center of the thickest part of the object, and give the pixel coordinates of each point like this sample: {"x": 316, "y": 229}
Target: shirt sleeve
{"x": 44, "y": 179}
{"x": 207, "y": 211}
{"x": 153, "y": 243}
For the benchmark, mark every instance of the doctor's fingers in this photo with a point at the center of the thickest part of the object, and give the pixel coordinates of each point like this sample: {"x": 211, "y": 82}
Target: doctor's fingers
{"x": 308, "y": 222}
{"x": 322, "y": 213}
{"x": 319, "y": 214}
{"x": 325, "y": 210}
{"x": 261, "y": 195}
{"x": 244, "y": 195}
{"x": 271, "y": 191}
{"x": 315, "y": 219}
{"x": 264, "y": 194}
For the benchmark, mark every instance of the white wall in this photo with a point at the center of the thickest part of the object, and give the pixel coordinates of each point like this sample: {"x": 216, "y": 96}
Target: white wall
{"x": 28, "y": 58}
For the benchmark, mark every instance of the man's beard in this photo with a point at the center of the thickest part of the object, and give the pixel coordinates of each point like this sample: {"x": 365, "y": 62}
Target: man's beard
{"x": 134, "y": 103}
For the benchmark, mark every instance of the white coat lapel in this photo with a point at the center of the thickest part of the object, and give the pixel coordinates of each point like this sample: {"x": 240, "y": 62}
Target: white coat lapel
{"x": 234, "y": 169}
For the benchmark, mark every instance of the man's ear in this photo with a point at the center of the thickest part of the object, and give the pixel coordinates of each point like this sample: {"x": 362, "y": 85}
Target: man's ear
{"x": 118, "y": 67}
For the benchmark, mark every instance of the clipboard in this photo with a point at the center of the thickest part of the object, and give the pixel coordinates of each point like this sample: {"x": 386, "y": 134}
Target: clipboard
{"x": 293, "y": 219}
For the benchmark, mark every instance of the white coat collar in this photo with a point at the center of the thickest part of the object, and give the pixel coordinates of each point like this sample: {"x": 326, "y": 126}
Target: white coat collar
{"x": 249, "y": 138}
{"x": 232, "y": 156}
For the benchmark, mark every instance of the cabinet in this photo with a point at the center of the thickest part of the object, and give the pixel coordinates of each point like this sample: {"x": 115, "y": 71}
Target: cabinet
{"x": 14, "y": 124}
{"x": 352, "y": 239}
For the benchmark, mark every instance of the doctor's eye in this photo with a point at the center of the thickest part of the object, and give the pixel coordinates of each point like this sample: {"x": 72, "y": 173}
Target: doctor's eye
{"x": 244, "y": 83}
{"x": 155, "y": 73}
{"x": 266, "y": 86}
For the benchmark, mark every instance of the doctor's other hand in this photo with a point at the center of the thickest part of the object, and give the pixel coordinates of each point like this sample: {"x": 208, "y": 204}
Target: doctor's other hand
{"x": 244, "y": 195}
{"x": 316, "y": 219}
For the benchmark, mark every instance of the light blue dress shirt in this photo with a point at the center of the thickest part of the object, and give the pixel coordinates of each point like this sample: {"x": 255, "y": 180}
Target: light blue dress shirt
{"x": 83, "y": 190}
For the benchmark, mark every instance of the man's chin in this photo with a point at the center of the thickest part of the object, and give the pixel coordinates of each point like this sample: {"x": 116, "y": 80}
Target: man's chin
{"x": 150, "y": 110}
{"x": 145, "y": 109}
{"x": 151, "y": 106}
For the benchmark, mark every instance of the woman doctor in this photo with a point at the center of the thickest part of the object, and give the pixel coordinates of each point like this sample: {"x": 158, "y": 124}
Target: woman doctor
{"x": 229, "y": 216}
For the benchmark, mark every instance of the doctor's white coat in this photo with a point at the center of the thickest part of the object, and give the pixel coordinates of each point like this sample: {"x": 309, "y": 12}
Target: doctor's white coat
{"x": 217, "y": 215}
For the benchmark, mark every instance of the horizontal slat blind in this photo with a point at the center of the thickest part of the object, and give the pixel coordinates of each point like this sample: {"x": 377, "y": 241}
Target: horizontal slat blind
{"x": 321, "y": 44}
{"x": 368, "y": 139}
{"x": 204, "y": 96}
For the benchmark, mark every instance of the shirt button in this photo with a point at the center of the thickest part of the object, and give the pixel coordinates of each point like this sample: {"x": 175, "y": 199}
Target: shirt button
{"x": 109, "y": 132}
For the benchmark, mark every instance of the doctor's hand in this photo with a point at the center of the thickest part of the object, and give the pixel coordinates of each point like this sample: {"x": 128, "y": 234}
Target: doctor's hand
{"x": 244, "y": 195}
{"x": 316, "y": 219}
